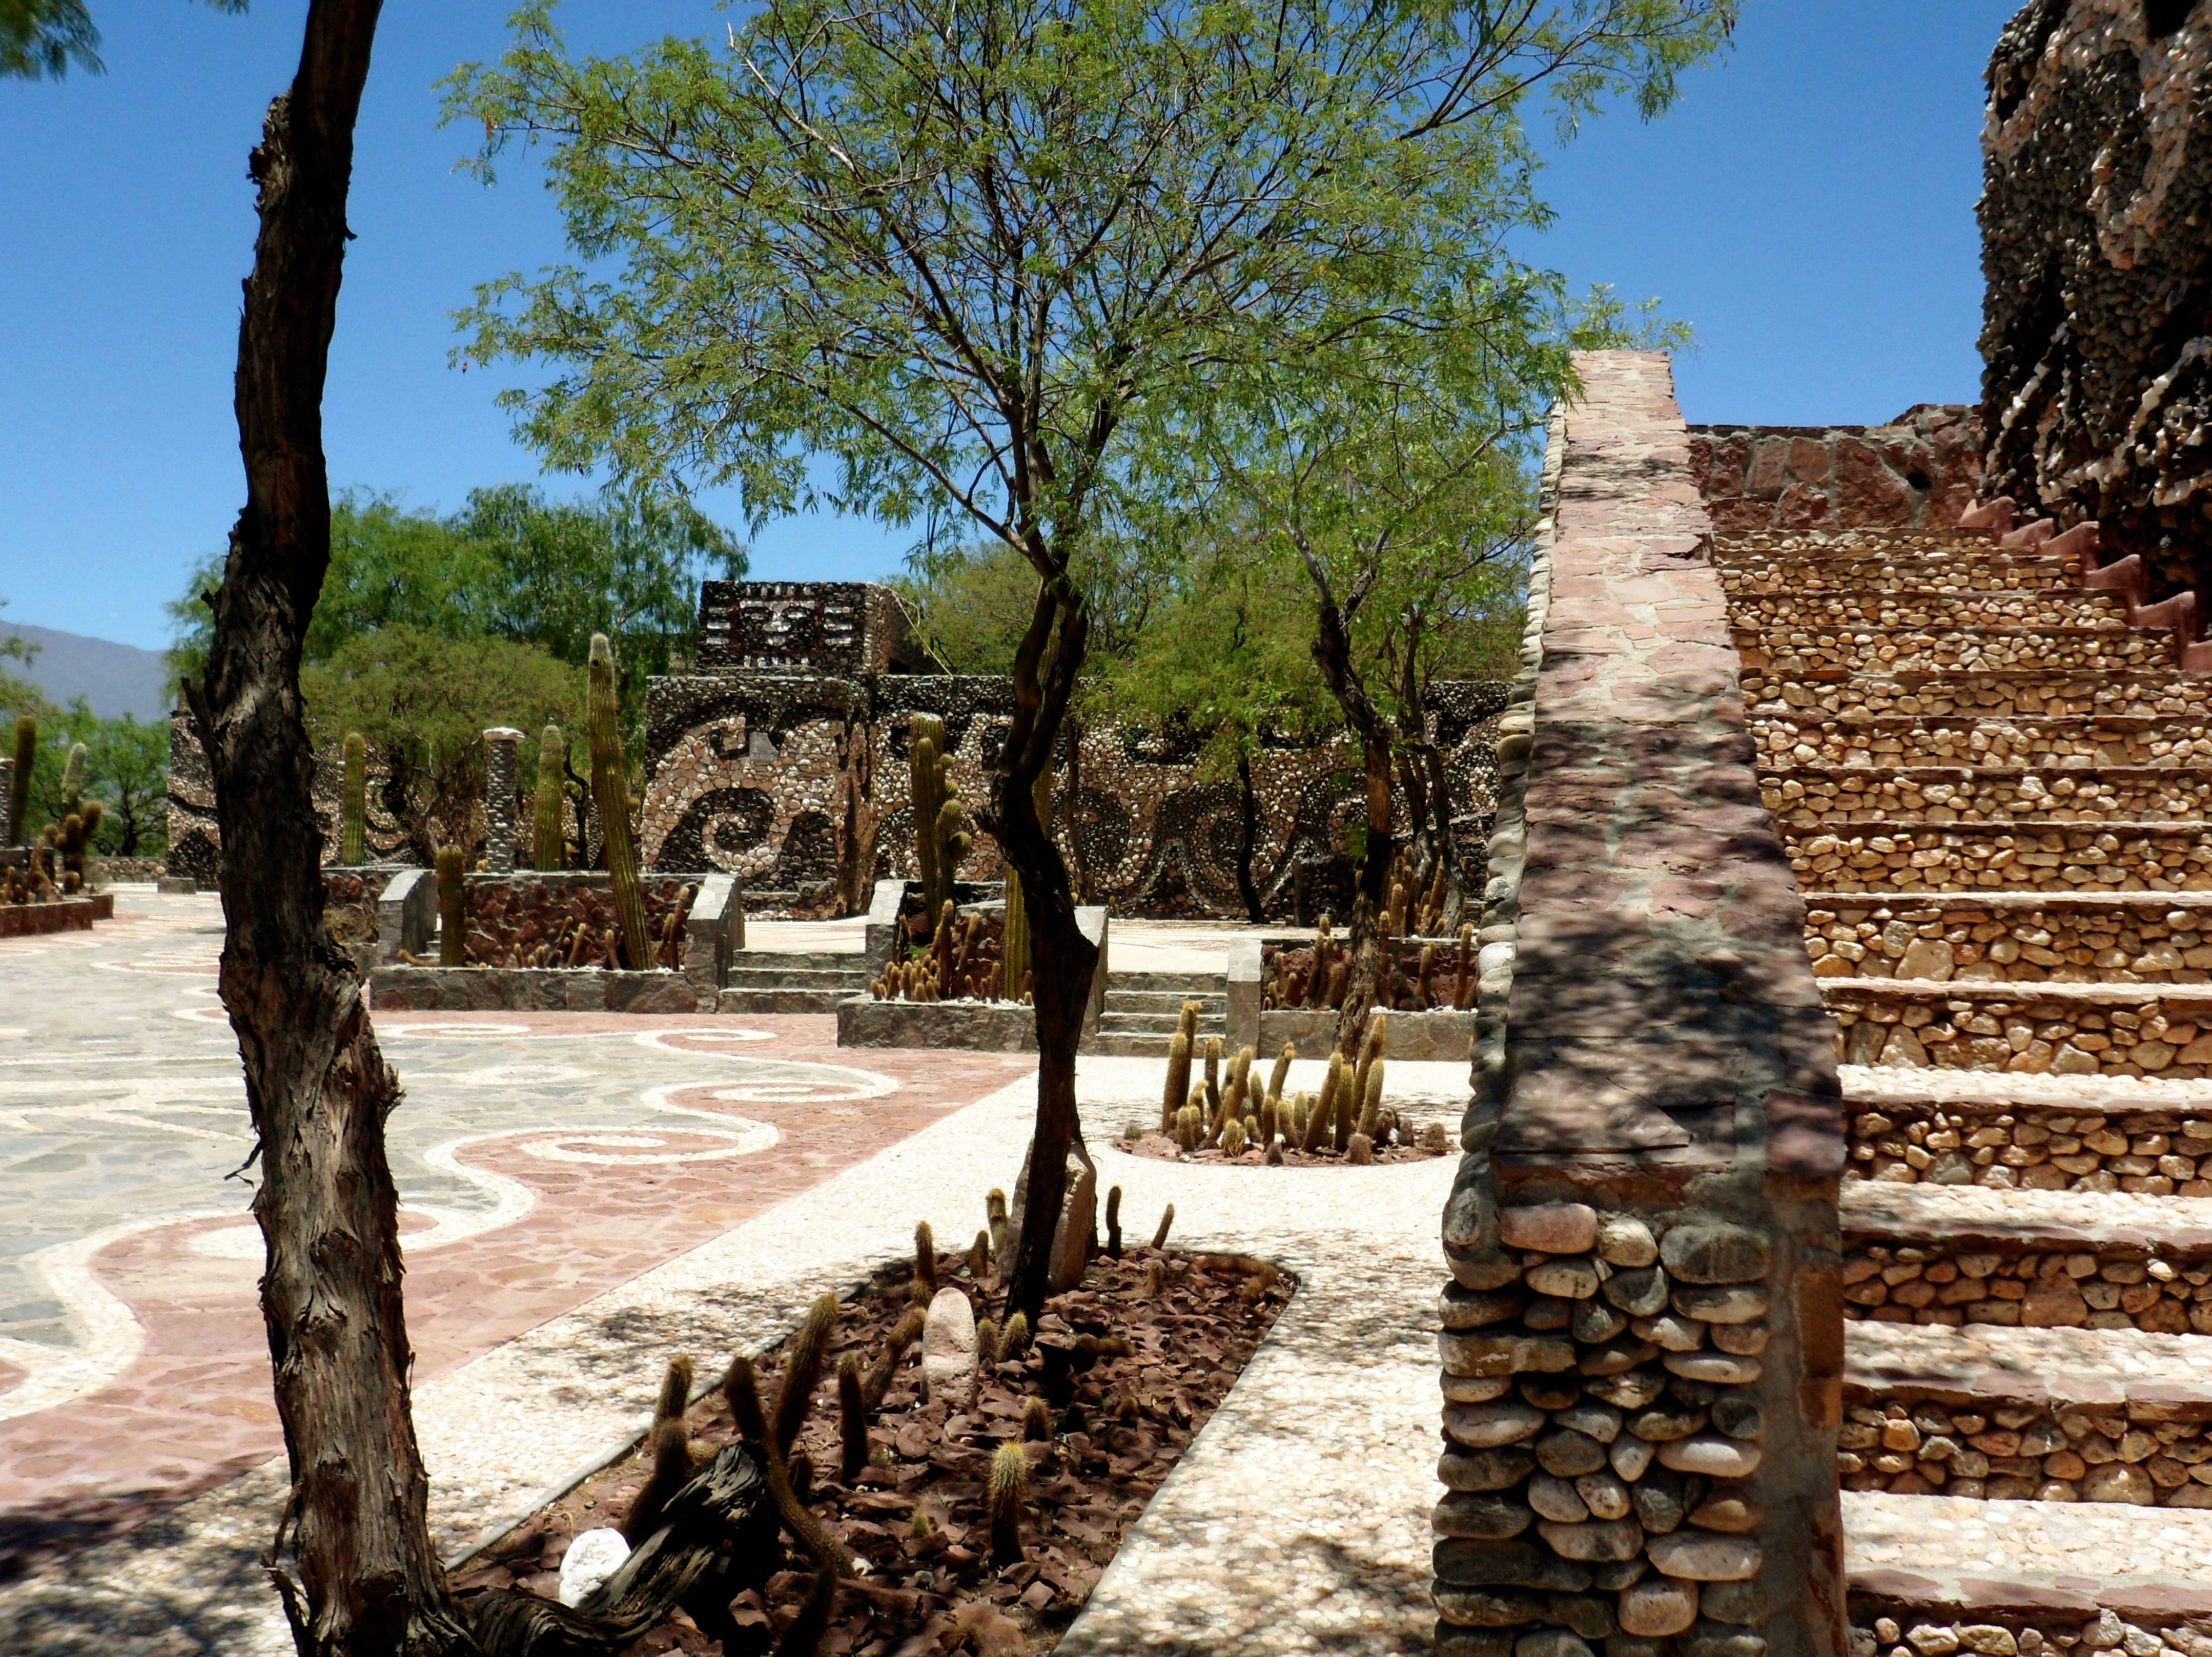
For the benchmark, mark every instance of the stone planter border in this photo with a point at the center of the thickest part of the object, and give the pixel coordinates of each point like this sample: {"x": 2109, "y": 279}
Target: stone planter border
{"x": 68, "y": 915}
{"x": 976, "y": 1026}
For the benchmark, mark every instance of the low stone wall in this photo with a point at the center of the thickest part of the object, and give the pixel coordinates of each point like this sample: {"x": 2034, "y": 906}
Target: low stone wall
{"x": 2168, "y": 1034}
{"x": 1437, "y": 1033}
{"x": 1995, "y": 741}
{"x": 2068, "y": 1622}
{"x": 1948, "y": 938}
{"x": 2137, "y": 1453}
{"x": 978, "y": 1026}
{"x": 2156, "y": 1153}
{"x": 1902, "y": 858}
{"x": 1643, "y": 1352}
{"x": 522, "y": 989}
{"x": 2132, "y": 695}
{"x": 66, "y": 914}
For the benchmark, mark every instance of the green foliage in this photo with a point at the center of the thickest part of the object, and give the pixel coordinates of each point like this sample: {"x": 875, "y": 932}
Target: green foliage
{"x": 509, "y": 565}
{"x": 45, "y": 37}
{"x": 125, "y": 766}
{"x": 423, "y": 702}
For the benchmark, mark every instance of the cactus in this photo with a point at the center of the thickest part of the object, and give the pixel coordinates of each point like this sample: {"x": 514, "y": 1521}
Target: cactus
{"x": 851, "y": 1418}
{"x": 549, "y": 846}
{"x": 353, "y": 835}
{"x": 610, "y": 793}
{"x": 1460, "y": 983}
{"x": 1271, "y": 1119}
{"x": 671, "y": 1449}
{"x": 994, "y": 1210}
{"x": 72, "y": 791}
{"x": 1436, "y": 1139}
{"x": 939, "y": 843}
{"x": 1167, "y": 1220}
{"x": 1014, "y": 1340}
{"x": 979, "y": 1256}
{"x": 1359, "y": 1150}
{"x": 1156, "y": 1279}
{"x": 1274, "y": 1157}
{"x": 904, "y": 1333}
{"x": 1232, "y": 1136}
{"x": 1371, "y": 1053}
{"x": 1009, "y": 1483}
{"x": 1318, "y": 1121}
{"x": 1178, "y": 1082}
{"x": 1212, "y": 1075}
{"x": 452, "y": 909}
{"x": 803, "y": 1371}
{"x": 1424, "y": 983}
{"x": 925, "y": 1257}
{"x": 1189, "y": 1129}
{"x": 19, "y": 785}
{"x": 1113, "y": 1223}
{"x": 1036, "y": 1421}
{"x": 1371, "y": 1108}
{"x": 1294, "y": 1129}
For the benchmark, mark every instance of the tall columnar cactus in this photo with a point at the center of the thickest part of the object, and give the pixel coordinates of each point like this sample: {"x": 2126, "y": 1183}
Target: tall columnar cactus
{"x": 452, "y": 909}
{"x": 1015, "y": 947}
{"x": 611, "y": 791}
{"x": 19, "y": 788}
{"x": 1178, "y": 1082}
{"x": 353, "y": 836}
{"x": 72, "y": 792}
{"x": 1317, "y": 1122}
{"x": 940, "y": 843}
{"x": 549, "y": 846}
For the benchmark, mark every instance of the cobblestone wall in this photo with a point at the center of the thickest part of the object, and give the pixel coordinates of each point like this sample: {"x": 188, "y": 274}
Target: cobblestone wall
{"x": 2096, "y": 246}
{"x": 195, "y": 842}
{"x": 797, "y": 781}
{"x": 1643, "y": 1335}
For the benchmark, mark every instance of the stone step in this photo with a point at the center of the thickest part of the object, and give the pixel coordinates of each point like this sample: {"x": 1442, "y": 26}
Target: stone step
{"x": 1946, "y": 1562}
{"x": 801, "y": 960}
{"x": 2161, "y": 691}
{"x": 2067, "y": 1029}
{"x": 1945, "y": 793}
{"x": 2007, "y": 573}
{"x": 1875, "y": 545}
{"x": 1847, "y": 607}
{"x": 2020, "y": 1131}
{"x": 2034, "y": 937}
{"x": 1796, "y": 651}
{"x": 1167, "y": 1001}
{"x": 1161, "y": 1024}
{"x": 1960, "y": 856}
{"x": 796, "y": 978}
{"x": 2028, "y": 741}
{"x": 770, "y": 1000}
{"x": 1184, "y": 983}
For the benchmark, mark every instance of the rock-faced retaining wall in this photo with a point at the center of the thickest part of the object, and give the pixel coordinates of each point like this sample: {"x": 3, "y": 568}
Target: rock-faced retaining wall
{"x": 1919, "y": 470}
{"x": 2096, "y": 246}
{"x": 789, "y": 769}
{"x": 1643, "y": 1346}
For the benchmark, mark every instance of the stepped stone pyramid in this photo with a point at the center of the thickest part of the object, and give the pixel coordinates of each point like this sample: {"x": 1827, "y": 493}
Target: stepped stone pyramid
{"x": 1989, "y": 759}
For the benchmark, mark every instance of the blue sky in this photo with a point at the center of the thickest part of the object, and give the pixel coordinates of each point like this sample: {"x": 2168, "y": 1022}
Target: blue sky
{"x": 1808, "y": 209}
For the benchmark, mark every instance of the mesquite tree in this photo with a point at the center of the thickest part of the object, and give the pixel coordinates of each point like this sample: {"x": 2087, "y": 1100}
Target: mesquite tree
{"x": 367, "y": 1578}
{"x": 965, "y": 251}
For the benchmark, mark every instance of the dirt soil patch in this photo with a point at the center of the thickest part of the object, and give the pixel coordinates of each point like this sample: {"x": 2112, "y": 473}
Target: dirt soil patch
{"x": 915, "y": 1514}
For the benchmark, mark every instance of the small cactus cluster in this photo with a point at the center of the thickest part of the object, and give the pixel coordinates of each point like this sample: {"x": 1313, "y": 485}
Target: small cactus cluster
{"x": 964, "y": 961}
{"x": 1413, "y": 975}
{"x": 61, "y": 860}
{"x": 1229, "y": 1110}
{"x": 941, "y": 843}
{"x": 1413, "y": 910}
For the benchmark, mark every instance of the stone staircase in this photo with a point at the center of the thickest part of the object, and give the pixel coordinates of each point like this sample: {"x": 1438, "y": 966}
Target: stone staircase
{"x": 791, "y": 981}
{"x": 1142, "y": 1008}
{"x": 1992, "y": 780}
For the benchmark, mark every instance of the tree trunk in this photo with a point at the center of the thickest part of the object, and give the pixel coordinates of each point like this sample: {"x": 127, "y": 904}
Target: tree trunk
{"x": 1367, "y": 904}
{"x": 367, "y": 1580}
{"x": 1064, "y": 960}
{"x": 1247, "y": 836}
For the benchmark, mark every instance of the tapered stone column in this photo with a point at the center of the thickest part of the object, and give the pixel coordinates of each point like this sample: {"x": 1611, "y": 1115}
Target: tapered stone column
{"x": 499, "y": 744}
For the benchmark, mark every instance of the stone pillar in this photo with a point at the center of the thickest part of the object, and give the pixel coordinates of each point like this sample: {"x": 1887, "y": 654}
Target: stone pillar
{"x": 6, "y": 793}
{"x": 1642, "y": 1337}
{"x": 500, "y": 744}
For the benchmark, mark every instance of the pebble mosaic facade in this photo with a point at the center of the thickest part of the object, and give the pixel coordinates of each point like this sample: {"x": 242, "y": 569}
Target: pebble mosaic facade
{"x": 784, "y": 761}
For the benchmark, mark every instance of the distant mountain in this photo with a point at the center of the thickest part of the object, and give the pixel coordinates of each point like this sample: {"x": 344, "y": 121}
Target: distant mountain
{"x": 115, "y": 679}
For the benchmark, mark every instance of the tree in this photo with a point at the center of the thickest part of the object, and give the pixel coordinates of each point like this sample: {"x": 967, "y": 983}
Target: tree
{"x": 423, "y": 703}
{"x": 365, "y": 1579}
{"x": 966, "y": 251}
{"x": 45, "y": 37}
{"x": 509, "y": 565}
{"x": 126, "y": 767}
{"x": 17, "y": 694}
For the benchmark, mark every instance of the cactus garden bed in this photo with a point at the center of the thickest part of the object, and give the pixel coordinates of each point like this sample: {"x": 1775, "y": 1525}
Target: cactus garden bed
{"x": 57, "y": 915}
{"x": 1079, "y": 1426}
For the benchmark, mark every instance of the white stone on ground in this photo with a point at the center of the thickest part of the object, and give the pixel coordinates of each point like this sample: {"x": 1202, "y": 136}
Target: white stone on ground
{"x": 591, "y": 1559}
